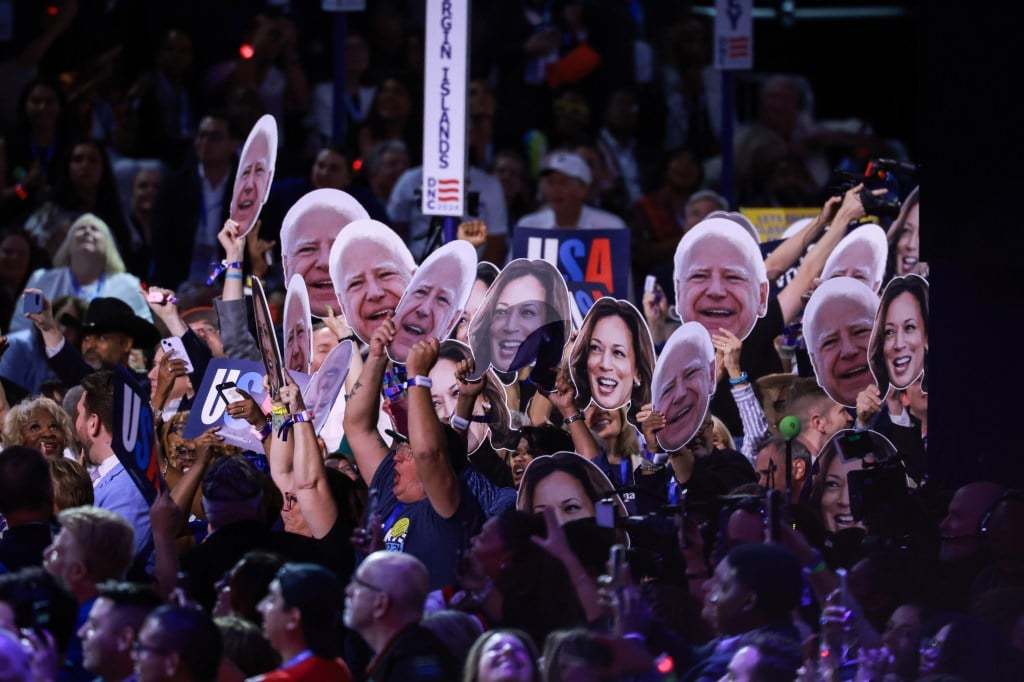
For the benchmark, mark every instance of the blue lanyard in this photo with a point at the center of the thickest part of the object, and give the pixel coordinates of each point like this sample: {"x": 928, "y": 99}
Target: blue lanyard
{"x": 296, "y": 659}
{"x": 624, "y": 471}
{"x": 673, "y": 490}
{"x": 77, "y": 288}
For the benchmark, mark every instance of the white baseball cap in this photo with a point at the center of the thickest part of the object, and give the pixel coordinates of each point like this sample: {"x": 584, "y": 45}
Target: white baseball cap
{"x": 569, "y": 164}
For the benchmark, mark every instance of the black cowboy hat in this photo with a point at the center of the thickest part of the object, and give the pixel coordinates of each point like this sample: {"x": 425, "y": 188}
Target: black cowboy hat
{"x": 114, "y": 315}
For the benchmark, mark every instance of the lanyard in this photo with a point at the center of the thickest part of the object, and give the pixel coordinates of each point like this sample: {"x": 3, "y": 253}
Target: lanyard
{"x": 77, "y": 288}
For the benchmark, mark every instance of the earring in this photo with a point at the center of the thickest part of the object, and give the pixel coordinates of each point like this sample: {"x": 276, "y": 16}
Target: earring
{"x": 636, "y": 382}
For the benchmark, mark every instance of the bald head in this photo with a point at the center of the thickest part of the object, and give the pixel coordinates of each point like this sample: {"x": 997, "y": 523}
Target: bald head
{"x": 960, "y": 536}
{"x": 402, "y": 577}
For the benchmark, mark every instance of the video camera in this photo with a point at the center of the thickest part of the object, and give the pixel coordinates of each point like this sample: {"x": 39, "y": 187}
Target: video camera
{"x": 879, "y": 174}
{"x": 654, "y": 553}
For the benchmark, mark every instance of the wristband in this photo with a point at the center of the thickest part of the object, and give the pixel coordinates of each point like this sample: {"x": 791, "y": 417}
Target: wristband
{"x": 292, "y": 420}
{"x": 234, "y": 275}
{"x": 458, "y": 423}
{"x": 220, "y": 268}
{"x": 575, "y": 418}
{"x": 741, "y": 379}
{"x": 419, "y": 380}
{"x": 264, "y": 432}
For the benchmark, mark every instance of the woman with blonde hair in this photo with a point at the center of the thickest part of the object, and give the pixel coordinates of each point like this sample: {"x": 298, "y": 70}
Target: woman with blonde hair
{"x": 86, "y": 265}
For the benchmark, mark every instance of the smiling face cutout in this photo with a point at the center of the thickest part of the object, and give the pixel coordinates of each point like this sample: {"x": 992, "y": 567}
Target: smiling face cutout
{"x": 308, "y": 232}
{"x": 255, "y": 173}
{"x": 720, "y": 277}
{"x": 838, "y": 321}
{"x": 370, "y": 268}
{"x": 435, "y": 298}
{"x": 612, "y": 359}
{"x": 298, "y": 330}
{"x": 527, "y": 296}
{"x": 684, "y": 381}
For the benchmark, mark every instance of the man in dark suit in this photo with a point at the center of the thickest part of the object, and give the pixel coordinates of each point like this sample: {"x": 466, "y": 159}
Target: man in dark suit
{"x": 193, "y": 205}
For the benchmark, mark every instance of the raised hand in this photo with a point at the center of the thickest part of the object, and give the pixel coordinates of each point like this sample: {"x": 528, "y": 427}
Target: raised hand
{"x": 382, "y": 338}
{"x": 234, "y": 245}
{"x": 422, "y": 357}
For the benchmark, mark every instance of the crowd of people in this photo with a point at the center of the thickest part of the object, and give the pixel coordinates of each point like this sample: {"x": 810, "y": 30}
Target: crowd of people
{"x": 449, "y": 470}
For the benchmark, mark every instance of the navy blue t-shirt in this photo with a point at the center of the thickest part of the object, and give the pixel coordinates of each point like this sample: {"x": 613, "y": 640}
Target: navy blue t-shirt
{"x": 419, "y": 530}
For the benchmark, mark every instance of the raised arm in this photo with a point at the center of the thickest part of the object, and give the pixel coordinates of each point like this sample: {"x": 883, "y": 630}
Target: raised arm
{"x": 363, "y": 405}
{"x": 309, "y": 475}
{"x": 789, "y": 251}
{"x": 791, "y": 298}
{"x": 564, "y": 400}
{"x": 426, "y": 435}
{"x": 234, "y": 248}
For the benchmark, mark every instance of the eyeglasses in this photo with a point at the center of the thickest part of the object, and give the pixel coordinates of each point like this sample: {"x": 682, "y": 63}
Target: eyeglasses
{"x": 362, "y": 583}
{"x": 138, "y": 647}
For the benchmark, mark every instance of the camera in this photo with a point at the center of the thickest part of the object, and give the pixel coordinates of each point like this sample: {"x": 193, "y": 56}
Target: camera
{"x": 879, "y": 174}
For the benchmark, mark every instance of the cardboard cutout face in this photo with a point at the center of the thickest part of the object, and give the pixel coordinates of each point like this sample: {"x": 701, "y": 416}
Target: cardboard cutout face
{"x": 526, "y": 296}
{"x": 838, "y": 321}
{"x": 266, "y": 339}
{"x": 298, "y": 330}
{"x": 899, "y": 340}
{"x": 612, "y": 359}
{"x": 370, "y": 269}
{"x": 255, "y": 173}
{"x": 861, "y": 255}
{"x": 435, "y": 298}
{"x": 490, "y": 417}
{"x": 307, "y": 233}
{"x": 720, "y": 277}
{"x": 684, "y": 381}
{"x": 323, "y": 389}
{"x": 556, "y": 480}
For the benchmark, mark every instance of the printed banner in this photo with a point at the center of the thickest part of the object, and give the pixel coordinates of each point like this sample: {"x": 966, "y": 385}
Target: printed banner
{"x": 734, "y": 35}
{"x": 595, "y": 263}
{"x": 772, "y": 222}
{"x": 209, "y": 410}
{"x": 444, "y": 107}
{"x": 133, "y": 440}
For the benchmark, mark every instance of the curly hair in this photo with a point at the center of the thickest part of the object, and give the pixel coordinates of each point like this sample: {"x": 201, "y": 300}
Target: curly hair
{"x": 21, "y": 413}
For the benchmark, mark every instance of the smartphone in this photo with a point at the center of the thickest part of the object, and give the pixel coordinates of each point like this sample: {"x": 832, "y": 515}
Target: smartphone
{"x": 173, "y": 345}
{"x": 605, "y": 513}
{"x": 229, "y": 392}
{"x": 616, "y": 564}
{"x": 33, "y": 302}
{"x": 649, "y": 283}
